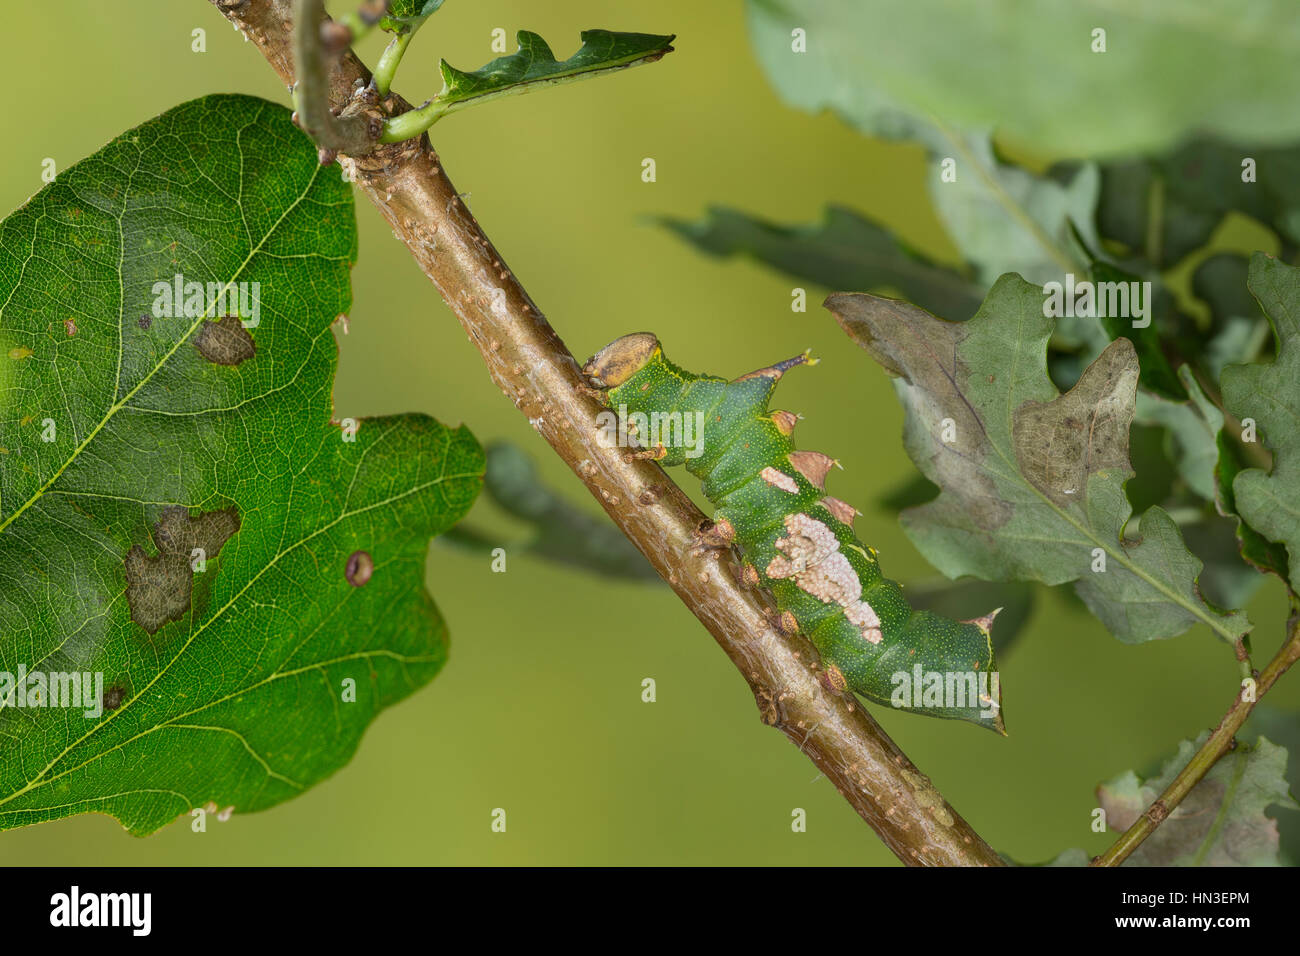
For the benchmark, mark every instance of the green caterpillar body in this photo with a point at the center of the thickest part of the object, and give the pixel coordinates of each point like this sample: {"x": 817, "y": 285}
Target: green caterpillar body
{"x": 798, "y": 542}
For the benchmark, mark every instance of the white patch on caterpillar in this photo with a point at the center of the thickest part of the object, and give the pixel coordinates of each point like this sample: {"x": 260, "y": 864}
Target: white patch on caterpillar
{"x": 809, "y": 543}
{"x": 779, "y": 479}
{"x": 864, "y": 616}
{"x": 811, "y": 556}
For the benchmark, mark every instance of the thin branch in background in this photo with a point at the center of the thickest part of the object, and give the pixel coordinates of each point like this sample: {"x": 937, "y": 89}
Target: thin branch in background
{"x": 1220, "y": 742}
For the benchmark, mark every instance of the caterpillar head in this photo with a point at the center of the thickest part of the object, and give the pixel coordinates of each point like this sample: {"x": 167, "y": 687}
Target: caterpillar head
{"x": 621, "y": 359}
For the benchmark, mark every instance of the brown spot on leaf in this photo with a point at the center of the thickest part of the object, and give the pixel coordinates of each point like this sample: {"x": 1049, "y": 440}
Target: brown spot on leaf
{"x": 113, "y": 697}
{"x": 1062, "y": 443}
{"x": 144, "y": 321}
{"x": 158, "y": 588}
{"x": 225, "y": 342}
{"x": 70, "y": 327}
{"x": 359, "y": 568}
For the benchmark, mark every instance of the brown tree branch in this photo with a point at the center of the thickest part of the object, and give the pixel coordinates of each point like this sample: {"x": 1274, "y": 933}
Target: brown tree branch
{"x": 535, "y": 370}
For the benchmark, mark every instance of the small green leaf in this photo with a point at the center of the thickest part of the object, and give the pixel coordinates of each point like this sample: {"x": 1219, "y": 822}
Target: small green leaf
{"x": 1283, "y": 726}
{"x": 1193, "y": 427}
{"x": 1006, "y": 219}
{"x": 1032, "y": 480}
{"x": 1269, "y": 394}
{"x": 1168, "y": 206}
{"x": 534, "y": 64}
{"x": 1221, "y": 822}
{"x": 1238, "y": 328}
{"x": 1210, "y": 176}
{"x": 533, "y": 67}
{"x": 138, "y": 426}
{"x": 1139, "y": 209}
{"x": 561, "y": 532}
{"x": 843, "y": 251}
{"x": 1227, "y": 580}
{"x": 405, "y": 15}
{"x": 1255, "y": 549}
{"x": 1157, "y": 374}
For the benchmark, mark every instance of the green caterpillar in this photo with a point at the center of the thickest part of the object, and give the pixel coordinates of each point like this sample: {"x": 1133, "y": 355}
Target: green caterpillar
{"x": 796, "y": 541}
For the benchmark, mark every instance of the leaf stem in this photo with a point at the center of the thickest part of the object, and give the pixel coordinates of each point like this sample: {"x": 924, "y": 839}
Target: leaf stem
{"x": 1219, "y": 743}
{"x": 386, "y": 68}
{"x": 526, "y": 359}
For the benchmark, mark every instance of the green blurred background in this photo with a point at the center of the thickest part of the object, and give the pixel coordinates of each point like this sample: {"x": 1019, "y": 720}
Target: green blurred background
{"x": 539, "y": 711}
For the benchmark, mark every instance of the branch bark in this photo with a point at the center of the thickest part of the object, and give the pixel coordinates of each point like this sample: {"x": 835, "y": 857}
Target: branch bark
{"x": 534, "y": 369}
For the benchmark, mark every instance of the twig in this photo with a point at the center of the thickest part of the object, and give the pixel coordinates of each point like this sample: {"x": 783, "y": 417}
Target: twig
{"x": 532, "y": 366}
{"x": 1218, "y": 744}
{"x": 352, "y": 133}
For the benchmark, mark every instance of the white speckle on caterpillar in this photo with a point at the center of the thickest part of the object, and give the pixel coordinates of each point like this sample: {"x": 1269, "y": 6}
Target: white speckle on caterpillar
{"x": 863, "y": 615}
{"x": 779, "y": 479}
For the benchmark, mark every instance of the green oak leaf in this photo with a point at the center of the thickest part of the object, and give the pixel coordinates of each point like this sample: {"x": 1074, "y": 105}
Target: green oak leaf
{"x": 1269, "y": 501}
{"x": 1193, "y": 429}
{"x": 1003, "y": 218}
{"x": 1032, "y": 480}
{"x": 406, "y": 15}
{"x": 1221, "y": 822}
{"x": 1169, "y": 205}
{"x": 561, "y": 532}
{"x": 1138, "y": 209}
{"x": 843, "y": 251}
{"x": 134, "y": 431}
{"x": 1168, "y": 70}
{"x": 534, "y": 66}
{"x": 1114, "y": 297}
{"x": 1207, "y": 177}
{"x": 1006, "y": 219}
{"x": 1255, "y": 549}
{"x": 1228, "y": 579}
{"x": 1283, "y": 726}
{"x": 1238, "y": 330}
